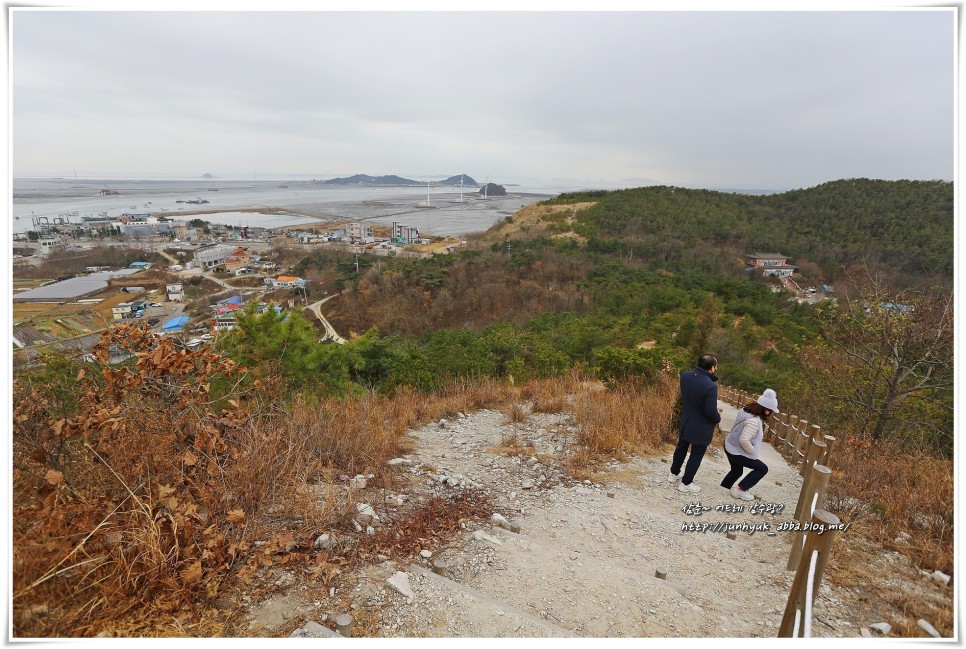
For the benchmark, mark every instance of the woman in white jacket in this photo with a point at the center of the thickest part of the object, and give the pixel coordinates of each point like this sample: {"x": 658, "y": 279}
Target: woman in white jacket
{"x": 743, "y": 444}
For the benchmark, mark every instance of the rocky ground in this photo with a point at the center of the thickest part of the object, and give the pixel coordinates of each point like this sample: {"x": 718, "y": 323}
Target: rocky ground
{"x": 563, "y": 558}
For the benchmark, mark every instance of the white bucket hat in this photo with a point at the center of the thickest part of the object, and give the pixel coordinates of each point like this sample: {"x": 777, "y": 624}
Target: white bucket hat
{"x": 769, "y": 399}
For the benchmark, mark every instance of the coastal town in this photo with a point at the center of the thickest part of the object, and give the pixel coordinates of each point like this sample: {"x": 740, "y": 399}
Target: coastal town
{"x": 183, "y": 278}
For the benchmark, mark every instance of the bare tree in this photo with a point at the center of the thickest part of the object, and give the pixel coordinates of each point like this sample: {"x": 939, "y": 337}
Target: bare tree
{"x": 890, "y": 359}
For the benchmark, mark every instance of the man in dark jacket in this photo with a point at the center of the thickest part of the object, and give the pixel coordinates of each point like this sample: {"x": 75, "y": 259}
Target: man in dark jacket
{"x": 699, "y": 416}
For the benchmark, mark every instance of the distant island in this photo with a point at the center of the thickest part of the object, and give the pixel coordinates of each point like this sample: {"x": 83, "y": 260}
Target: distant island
{"x": 365, "y": 180}
{"x": 467, "y": 181}
{"x": 492, "y": 189}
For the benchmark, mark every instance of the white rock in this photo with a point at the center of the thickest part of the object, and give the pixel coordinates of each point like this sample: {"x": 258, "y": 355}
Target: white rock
{"x": 527, "y": 484}
{"x": 367, "y": 510}
{"x": 399, "y": 582}
{"x": 882, "y": 628}
{"x": 583, "y": 491}
{"x": 500, "y": 521}
{"x": 425, "y": 554}
{"x": 312, "y": 629}
{"x": 399, "y": 461}
{"x": 358, "y": 482}
{"x": 940, "y": 577}
{"x": 324, "y": 542}
{"x": 928, "y": 628}
{"x": 480, "y": 535}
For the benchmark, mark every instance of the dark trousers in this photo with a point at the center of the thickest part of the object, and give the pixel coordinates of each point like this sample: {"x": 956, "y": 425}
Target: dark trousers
{"x": 738, "y": 464}
{"x": 694, "y": 459}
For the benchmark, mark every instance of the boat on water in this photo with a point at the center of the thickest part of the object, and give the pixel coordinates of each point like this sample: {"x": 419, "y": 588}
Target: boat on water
{"x": 198, "y": 201}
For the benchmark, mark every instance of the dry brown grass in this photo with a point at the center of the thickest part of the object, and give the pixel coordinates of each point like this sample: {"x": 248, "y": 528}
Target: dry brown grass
{"x": 626, "y": 418}
{"x": 515, "y": 414}
{"x": 153, "y": 499}
{"x": 885, "y": 491}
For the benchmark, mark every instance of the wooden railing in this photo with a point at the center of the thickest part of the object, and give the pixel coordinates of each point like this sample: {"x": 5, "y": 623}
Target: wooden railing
{"x": 804, "y": 445}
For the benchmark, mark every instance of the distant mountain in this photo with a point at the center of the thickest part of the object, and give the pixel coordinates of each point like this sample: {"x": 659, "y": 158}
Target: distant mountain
{"x": 455, "y": 181}
{"x": 373, "y": 181}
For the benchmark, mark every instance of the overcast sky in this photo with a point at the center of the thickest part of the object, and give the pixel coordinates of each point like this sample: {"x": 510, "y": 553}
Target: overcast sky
{"x": 727, "y": 99}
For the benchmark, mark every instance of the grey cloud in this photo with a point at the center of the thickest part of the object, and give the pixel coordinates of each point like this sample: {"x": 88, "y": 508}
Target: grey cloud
{"x": 713, "y": 97}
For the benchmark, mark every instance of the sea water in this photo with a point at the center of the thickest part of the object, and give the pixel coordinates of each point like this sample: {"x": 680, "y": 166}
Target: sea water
{"x": 434, "y": 210}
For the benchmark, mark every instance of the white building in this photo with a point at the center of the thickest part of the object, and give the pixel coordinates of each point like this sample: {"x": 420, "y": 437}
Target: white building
{"x": 404, "y": 233}
{"x": 212, "y": 255}
{"x": 359, "y": 230}
{"x": 122, "y": 310}
{"x": 50, "y": 243}
{"x": 174, "y": 292}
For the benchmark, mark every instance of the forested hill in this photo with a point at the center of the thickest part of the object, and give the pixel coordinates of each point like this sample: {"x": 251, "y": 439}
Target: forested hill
{"x": 905, "y": 227}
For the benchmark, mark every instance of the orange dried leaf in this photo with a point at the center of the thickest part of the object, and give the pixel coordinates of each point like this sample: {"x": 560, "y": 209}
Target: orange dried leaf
{"x": 58, "y": 426}
{"x": 236, "y": 515}
{"x": 81, "y": 374}
{"x": 54, "y": 477}
{"x": 192, "y": 573}
{"x": 190, "y": 458}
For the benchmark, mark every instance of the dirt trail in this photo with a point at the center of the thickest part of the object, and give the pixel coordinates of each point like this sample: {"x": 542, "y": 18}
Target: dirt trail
{"x": 584, "y": 560}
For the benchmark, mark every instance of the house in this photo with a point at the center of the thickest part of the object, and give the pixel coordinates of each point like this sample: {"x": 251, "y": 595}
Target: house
{"x": 122, "y": 310}
{"x": 239, "y": 258}
{"x": 284, "y": 280}
{"x": 143, "y": 265}
{"x": 175, "y": 324}
{"x": 228, "y": 305}
{"x": 174, "y": 292}
{"x": 770, "y": 263}
{"x": 225, "y": 322}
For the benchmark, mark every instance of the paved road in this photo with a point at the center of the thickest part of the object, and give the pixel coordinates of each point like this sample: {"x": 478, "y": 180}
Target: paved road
{"x": 330, "y": 333}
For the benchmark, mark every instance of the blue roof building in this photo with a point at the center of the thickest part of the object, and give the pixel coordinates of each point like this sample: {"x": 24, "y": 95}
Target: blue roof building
{"x": 175, "y": 324}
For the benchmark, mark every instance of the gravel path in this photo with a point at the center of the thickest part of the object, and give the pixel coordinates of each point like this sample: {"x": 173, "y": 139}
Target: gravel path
{"x": 585, "y": 558}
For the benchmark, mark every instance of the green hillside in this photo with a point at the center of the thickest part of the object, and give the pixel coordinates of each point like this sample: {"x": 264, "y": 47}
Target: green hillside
{"x": 903, "y": 228}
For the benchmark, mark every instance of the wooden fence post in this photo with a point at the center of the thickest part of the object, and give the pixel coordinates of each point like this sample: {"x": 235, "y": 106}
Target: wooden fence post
{"x": 781, "y": 427}
{"x": 808, "y": 477}
{"x": 813, "y": 491}
{"x": 826, "y": 459}
{"x": 797, "y": 453}
{"x": 816, "y": 540}
{"x": 811, "y": 458}
{"x": 790, "y": 432}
